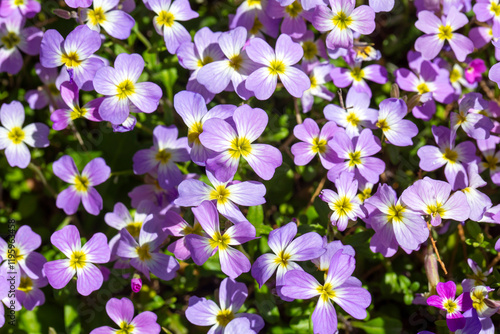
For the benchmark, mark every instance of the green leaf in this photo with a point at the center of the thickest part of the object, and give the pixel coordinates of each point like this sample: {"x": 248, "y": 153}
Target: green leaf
{"x": 380, "y": 325}
{"x": 71, "y": 318}
{"x": 266, "y": 304}
{"x": 474, "y": 230}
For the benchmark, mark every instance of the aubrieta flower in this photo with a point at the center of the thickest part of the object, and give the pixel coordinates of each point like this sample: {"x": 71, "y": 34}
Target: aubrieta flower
{"x": 80, "y": 260}
{"x": 345, "y": 204}
{"x": 115, "y": 22}
{"x": 168, "y": 12}
{"x": 122, "y": 91}
{"x": 479, "y": 203}
{"x": 448, "y": 155}
{"x": 323, "y": 262}
{"x": 339, "y": 287}
{"x": 224, "y": 319}
{"x": 445, "y": 300}
{"x": 478, "y": 277}
{"x": 432, "y": 197}
{"x": 121, "y": 311}
{"x": 253, "y": 16}
{"x": 319, "y": 76}
{"x": 488, "y": 148}
{"x": 233, "y": 262}
{"x": 470, "y": 117}
{"x": 162, "y": 157}
{"x": 82, "y": 185}
{"x": 227, "y": 195}
{"x": 356, "y": 115}
{"x": 313, "y": 49}
{"x": 293, "y": 16}
{"x": 286, "y": 251}
{"x": 145, "y": 254}
{"x": 14, "y": 137}
{"x": 27, "y": 8}
{"x": 232, "y": 143}
{"x": 276, "y": 64}
{"x": 78, "y": 3}
{"x": 161, "y": 195}
{"x": 394, "y": 223}
{"x": 314, "y": 142}
{"x": 487, "y": 10}
{"x": 357, "y": 155}
{"x": 175, "y": 225}
{"x": 14, "y": 37}
{"x": 48, "y": 93}
{"x": 437, "y": 31}
{"x": 341, "y": 20}
{"x": 75, "y": 53}
{"x": 477, "y": 298}
{"x": 395, "y": 128}
{"x": 29, "y": 292}
{"x": 63, "y": 117}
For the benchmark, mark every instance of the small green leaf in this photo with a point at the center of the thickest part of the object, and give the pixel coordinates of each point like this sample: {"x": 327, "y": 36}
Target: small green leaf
{"x": 380, "y": 325}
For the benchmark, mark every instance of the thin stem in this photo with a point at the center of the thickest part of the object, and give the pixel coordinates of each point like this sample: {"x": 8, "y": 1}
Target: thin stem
{"x": 435, "y": 248}
{"x": 297, "y": 110}
{"x": 78, "y": 136}
{"x": 123, "y": 172}
{"x": 317, "y": 191}
{"x": 39, "y": 173}
{"x": 145, "y": 128}
{"x": 141, "y": 37}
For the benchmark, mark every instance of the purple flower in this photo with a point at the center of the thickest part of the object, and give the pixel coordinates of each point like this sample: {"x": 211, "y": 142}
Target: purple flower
{"x": 166, "y": 151}
{"x": 345, "y": 204}
{"x": 381, "y": 5}
{"x": 178, "y": 227}
{"x": 78, "y": 3}
{"x": 356, "y": 115}
{"x": 438, "y": 31}
{"x": 145, "y": 254}
{"x": 491, "y": 157}
{"x": 286, "y": 251}
{"x": 232, "y": 143}
{"x": 29, "y": 292}
{"x": 253, "y": 16}
{"x": 13, "y": 36}
{"x": 28, "y": 8}
{"x": 193, "y": 110}
{"x": 14, "y": 137}
{"x": 293, "y": 16}
{"x": 397, "y": 130}
{"x": 162, "y": 196}
{"x": 224, "y": 319}
{"x": 165, "y": 22}
{"x": 117, "y": 23}
{"x": 357, "y": 155}
{"x": 82, "y": 185}
{"x": 445, "y": 300}
{"x": 448, "y": 155}
{"x": 323, "y": 262}
{"x": 319, "y": 76}
{"x": 339, "y": 287}
{"x": 75, "y": 53}
{"x": 233, "y": 262}
{"x": 48, "y": 93}
{"x": 122, "y": 90}
{"x": 341, "y": 20}
{"x": 136, "y": 283}
{"x": 470, "y": 117}
{"x": 121, "y": 311}
{"x": 487, "y": 10}
{"x": 479, "y": 203}
{"x": 121, "y": 218}
{"x": 80, "y": 260}
{"x": 431, "y": 197}
{"x": 312, "y": 50}
{"x": 478, "y": 277}
{"x": 276, "y": 64}
{"x": 475, "y": 70}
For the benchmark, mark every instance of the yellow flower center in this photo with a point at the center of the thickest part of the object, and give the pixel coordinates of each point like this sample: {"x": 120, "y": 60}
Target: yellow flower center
{"x": 26, "y": 284}
{"x": 462, "y": 117}
{"x": 221, "y": 241}
{"x": 342, "y": 206}
{"x": 395, "y": 213}
{"x": 495, "y": 8}
{"x": 276, "y": 67}
{"x": 253, "y": 2}
{"x": 423, "y": 88}
{"x": 77, "y": 112}
{"x": 382, "y": 124}
{"x": 478, "y": 296}
{"x": 436, "y": 209}
{"x": 221, "y": 194}
{"x": 341, "y": 20}
{"x": 294, "y": 9}
{"x": 18, "y": 2}
{"x": 96, "y": 16}
{"x": 16, "y": 135}
{"x": 196, "y": 229}
{"x": 357, "y": 74}
{"x": 71, "y": 59}
{"x": 82, "y": 183}
{"x": 240, "y": 146}
{"x": 165, "y": 19}
{"x": 10, "y": 40}
{"x": 450, "y": 155}
{"x": 318, "y": 145}
{"x": 310, "y": 50}
{"x": 125, "y": 328}
{"x": 455, "y": 75}
{"x": 77, "y": 260}
{"x": 204, "y": 61}
{"x": 53, "y": 89}
{"x": 352, "y": 118}
{"x": 366, "y": 193}
{"x": 194, "y": 133}
{"x": 282, "y": 259}
{"x": 257, "y": 25}
{"x": 134, "y": 228}
{"x": 125, "y": 89}
{"x": 224, "y": 317}
{"x": 314, "y": 82}
{"x": 450, "y": 306}
{"x": 163, "y": 156}
{"x": 445, "y": 32}
{"x": 354, "y": 158}
{"x": 14, "y": 256}
{"x": 235, "y": 62}
{"x": 491, "y": 162}
{"x": 143, "y": 252}
{"x": 326, "y": 292}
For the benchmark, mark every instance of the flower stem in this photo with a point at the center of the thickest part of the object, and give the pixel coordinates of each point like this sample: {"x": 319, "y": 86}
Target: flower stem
{"x": 39, "y": 173}
{"x": 435, "y": 248}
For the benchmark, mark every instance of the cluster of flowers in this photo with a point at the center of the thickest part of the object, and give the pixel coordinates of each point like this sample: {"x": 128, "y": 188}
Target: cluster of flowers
{"x": 241, "y": 60}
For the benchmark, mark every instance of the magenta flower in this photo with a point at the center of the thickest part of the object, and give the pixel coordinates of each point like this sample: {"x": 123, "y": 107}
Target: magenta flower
{"x": 78, "y": 3}
{"x": 396, "y": 129}
{"x": 438, "y": 31}
{"x": 286, "y": 251}
{"x": 75, "y": 53}
{"x": 80, "y": 260}
{"x": 14, "y": 137}
{"x": 319, "y": 76}
{"x": 122, "y": 90}
{"x": 445, "y": 300}
{"x": 276, "y": 64}
{"x": 448, "y": 155}
{"x": 341, "y": 20}
{"x": 48, "y": 93}
{"x": 162, "y": 157}
{"x": 165, "y": 22}
{"x": 14, "y": 37}
{"x": 27, "y": 8}
{"x": 224, "y": 319}
{"x": 178, "y": 227}
{"x": 63, "y": 117}
{"x": 136, "y": 284}
{"x": 394, "y": 223}
{"x": 432, "y": 198}
{"x": 357, "y": 155}
{"x": 339, "y": 287}
{"x": 82, "y": 185}
{"x": 233, "y": 262}
{"x": 145, "y": 254}
{"x": 474, "y": 71}
{"x": 121, "y": 311}
{"x": 115, "y": 22}
{"x": 232, "y": 143}
{"x": 470, "y": 117}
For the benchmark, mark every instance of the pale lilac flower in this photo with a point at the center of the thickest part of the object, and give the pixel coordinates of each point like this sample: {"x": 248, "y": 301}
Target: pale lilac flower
{"x": 396, "y": 129}
{"x": 29, "y": 292}
{"x": 488, "y": 148}
{"x": 48, "y": 93}
{"x": 27, "y": 8}
{"x": 313, "y": 50}
{"x": 487, "y": 10}
{"x": 319, "y": 76}
{"x": 471, "y": 118}
{"x": 175, "y": 225}
{"x": 14, "y": 137}
{"x": 115, "y": 22}
{"x": 293, "y": 15}
{"x": 479, "y": 203}
{"x": 323, "y": 262}
{"x": 161, "y": 195}
{"x": 253, "y": 16}
{"x": 224, "y": 319}
{"x": 82, "y": 185}
{"x": 80, "y": 260}
{"x": 232, "y": 143}
{"x": 478, "y": 277}
{"x": 445, "y": 300}
{"x": 78, "y": 3}
{"x": 381, "y": 5}
{"x": 123, "y": 93}
{"x": 233, "y": 262}
{"x": 276, "y": 64}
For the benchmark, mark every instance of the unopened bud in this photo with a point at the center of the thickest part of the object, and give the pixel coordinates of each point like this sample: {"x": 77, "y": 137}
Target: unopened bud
{"x": 136, "y": 283}
{"x": 413, "y": 102}
{"x": 431, "y": 269}
{"x": 64, "y": 14}
{"x": 395, "y": 91}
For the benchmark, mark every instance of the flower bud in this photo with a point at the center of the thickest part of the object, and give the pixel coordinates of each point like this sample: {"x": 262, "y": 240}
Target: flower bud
{"x": 431, "y": 269}
{"x": 136, "y": 283}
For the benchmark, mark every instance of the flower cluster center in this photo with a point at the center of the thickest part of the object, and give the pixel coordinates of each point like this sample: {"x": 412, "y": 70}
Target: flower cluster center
{"x": 194, "y": 133}
{"x": 395, "y": 213}
{"x": 224, "y": 317}
{"x": 240, "y": 146}
{"x": 450, "y": 155}
{"x": 97, "y": 16}
{"x": 342, "y": 206}
{"x": 354, "y": 158}
{"x": 125, "y": 89}
{"x": 71, "y": 59}
{"x": 26, "y": 284}
{"x": 341, "y": 20}
{"x": 326, "y": 291}
{"x": 77, "y": 112}
{"x": 383, "y": 125}
{"x": 282, "y": 259}
{"x": 134, "y": 228}
{"x": 163, "y": 156}
{"x": 450, "y": 306}
{"x": 125, "y": 328}
{"x": 10, "y": 40}
{"x": 310, "y": 50}
{"x": 357, "y": 73}
{"x": 77, "y": 260}
{"x": 143, "y": 252}
{"x": 220, "y": 193}
{"x": 318, "y": 145}
{"x": 165, "y": 19}
{"x": 235, "y": 62}
{"x": 220, "y": 240}
{"x": 82, "y": 183}
{"x": 16, "y": 135}
{"x": 445, "y": 32}
{"x": 276, "y": 67}
{"x": 294, "y": 9}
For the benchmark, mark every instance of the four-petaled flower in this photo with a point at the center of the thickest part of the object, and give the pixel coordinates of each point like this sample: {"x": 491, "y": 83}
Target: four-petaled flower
{"x": 445, "y": 300}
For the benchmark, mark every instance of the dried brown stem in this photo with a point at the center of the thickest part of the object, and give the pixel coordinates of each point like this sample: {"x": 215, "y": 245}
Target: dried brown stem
{"x": 435, "y": 249}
